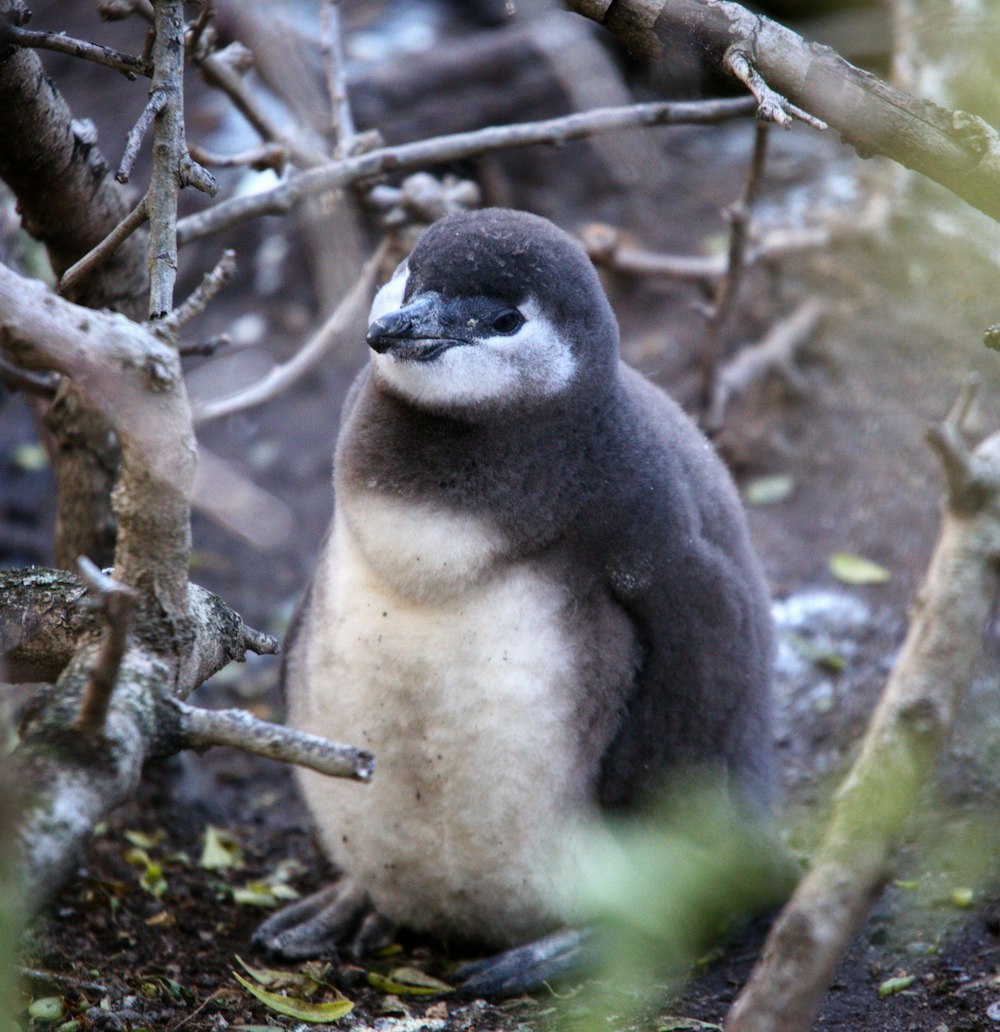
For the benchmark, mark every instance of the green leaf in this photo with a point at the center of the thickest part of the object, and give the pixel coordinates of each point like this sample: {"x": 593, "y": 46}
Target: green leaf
{"x": 47, "y": 1009}
{"x": 962, "y": 897}
{"x": 891, "y": 986}
{"x": 853, "y": 569}
{"x": 318, "y": 1013}
{"x": 151, "y": 879}
{"x": 221, "y": 851}
{"x": 768, "y": 490}
{"x": 408, "y": 981}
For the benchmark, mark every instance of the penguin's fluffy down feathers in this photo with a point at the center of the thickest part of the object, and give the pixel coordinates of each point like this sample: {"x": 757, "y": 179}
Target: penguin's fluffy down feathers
{"x": 530, "y": 606}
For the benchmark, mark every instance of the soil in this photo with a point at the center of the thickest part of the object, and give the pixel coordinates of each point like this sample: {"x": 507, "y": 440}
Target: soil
{"x": 906, "y": 310}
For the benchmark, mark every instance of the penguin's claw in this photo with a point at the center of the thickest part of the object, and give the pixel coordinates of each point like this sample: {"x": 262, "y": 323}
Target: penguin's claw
{"x": 525, "y": 969}
{"x": 340, "y": 915}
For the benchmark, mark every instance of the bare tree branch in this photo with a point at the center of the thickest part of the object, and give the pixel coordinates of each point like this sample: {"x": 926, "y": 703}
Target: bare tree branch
{"x": 204, "y": 348}
{"x": 775, "y": 353}
{"x": 911, "y": 722}
{"x": 69, "y": 201}
{"x": 268, "y": 155}
{"x": 438, "y": 150}
{"x": 116, "y": 10}
{"x": 771, "y": 106}
{"x": 211, "y": 283}
{"x": 202, "y": 728}
{"x": 224, "y": 70}
{"x": 738, "y": 216}
{"x": 38, "y": 641}
{"x": 173, "y": 167}
{"x": 155, "y": 104}
{"x": 227, "y": 496}
{"x": 135, "y": 380}
{"x": 331, "y": 46}
{"x": 605, "y": 248}
{"x": 131, "y": 67}
{"x": 116, "y": 602}
{"x": 82, "y": 269}
{"x": 955, "y": 149}
{"x": 344, "y": 318}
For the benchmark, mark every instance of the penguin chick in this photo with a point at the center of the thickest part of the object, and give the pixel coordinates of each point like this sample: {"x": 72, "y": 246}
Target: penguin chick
{"x": 536, "y": 599}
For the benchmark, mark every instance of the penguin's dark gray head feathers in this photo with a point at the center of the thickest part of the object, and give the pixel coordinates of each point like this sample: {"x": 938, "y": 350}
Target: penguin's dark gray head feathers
{"x": 493, "y": 307}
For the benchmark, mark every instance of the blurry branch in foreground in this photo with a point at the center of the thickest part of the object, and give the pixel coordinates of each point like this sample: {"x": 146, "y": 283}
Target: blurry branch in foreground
{"x": 907, "y": 731}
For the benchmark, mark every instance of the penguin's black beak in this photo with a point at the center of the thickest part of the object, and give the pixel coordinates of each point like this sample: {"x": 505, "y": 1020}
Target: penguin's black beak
{"x": 413, "y": 332}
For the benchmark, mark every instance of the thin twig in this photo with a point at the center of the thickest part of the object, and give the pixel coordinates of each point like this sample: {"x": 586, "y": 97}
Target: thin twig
{"x": 116, "y": 10}
{"x": 331, "y": 46}
{"x": 604, "y": 247}
{"x": 201, "y": 1006}
{"x": 224, "y": 70}
{"x": 405, "y": 157}
{"x": 352, "y": 306}
{"x": 195, "y": 30}
{"x": 117, "y": 602}
{"x": 155, "y": 104}
{"x": 131, "y": 67}
{"x": 771, "y": 106}
{"x": 211, "y": 283}
{"x": 268, "y": 155}
{"x": 17, "y": 379}
{"x": 201, "y": 728}
{"x": 775, "y": 353}
{"x": 205, "y": 348}
{"x": 738, "y": 216}
{"x": 63, "y": 981}
{"x": 76, "y": 273}
{"x": 173, "y": 167}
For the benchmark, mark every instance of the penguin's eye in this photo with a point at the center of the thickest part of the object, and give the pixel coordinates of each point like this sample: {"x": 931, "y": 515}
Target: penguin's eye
{"x": 508, "y": 322}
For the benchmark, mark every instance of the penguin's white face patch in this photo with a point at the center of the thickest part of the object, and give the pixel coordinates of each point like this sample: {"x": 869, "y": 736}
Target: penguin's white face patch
{"x": 534, "y": 362}
{"x": 390, "y": 295}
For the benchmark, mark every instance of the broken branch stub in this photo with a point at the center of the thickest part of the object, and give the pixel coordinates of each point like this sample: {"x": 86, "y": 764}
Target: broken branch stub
{"x": 116, "y": 602}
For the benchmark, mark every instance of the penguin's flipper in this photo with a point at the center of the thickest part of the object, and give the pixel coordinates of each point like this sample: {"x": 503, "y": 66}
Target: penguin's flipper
{"x": 526, "y": 968}
{"x": 339, "y": 916}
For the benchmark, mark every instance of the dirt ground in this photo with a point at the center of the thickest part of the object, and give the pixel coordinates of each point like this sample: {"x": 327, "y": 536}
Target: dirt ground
{"x": 148, "y": 939}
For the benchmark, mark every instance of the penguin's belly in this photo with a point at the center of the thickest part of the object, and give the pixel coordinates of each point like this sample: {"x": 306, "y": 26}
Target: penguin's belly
{"x": 461, "y": 679}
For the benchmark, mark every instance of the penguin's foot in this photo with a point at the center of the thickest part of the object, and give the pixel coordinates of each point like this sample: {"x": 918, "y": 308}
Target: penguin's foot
{"x": 338, "y": 917}
{"x": 527, "y": 968}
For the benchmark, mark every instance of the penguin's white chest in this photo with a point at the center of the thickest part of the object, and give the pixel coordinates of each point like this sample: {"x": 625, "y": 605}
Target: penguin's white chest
{"x": 454, "y": 667}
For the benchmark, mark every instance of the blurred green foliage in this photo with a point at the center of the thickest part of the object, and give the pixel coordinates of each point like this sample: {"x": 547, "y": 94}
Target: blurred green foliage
{"x": 663, "y": 888}
{"x": 10, "y": 918}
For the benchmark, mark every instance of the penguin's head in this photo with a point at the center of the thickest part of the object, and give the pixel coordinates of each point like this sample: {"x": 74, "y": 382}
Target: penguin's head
{"x": 493, "y": 309}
